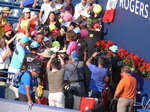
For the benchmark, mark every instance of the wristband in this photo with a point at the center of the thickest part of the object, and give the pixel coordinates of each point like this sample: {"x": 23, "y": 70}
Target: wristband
{"x": 92, "y": 57}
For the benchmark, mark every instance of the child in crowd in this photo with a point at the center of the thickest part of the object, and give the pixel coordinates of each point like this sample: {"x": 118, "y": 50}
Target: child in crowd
{"x": 72, "y": 26}
{"x": 62, "y": 36}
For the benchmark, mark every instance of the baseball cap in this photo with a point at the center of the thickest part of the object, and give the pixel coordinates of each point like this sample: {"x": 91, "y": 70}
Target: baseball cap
{"x": 25, "y": 39}
{"x": 56, "y": 12}
{"x": 45, "y": 39}
{"x": 34, "y": 33}
{"x": 85, "y": 13}
{"x": 114, "y": 48}
{"x": 36, "y": 69}
{"x": 26, "y": 10}
{"x": 7, "y": 28}
{"x": 74, "y": 55}
{"x": 58, "y": 6}
{"x": 55, "y": 31}
{"x": 76, "y": 30}
{"x": 34, "y": 44}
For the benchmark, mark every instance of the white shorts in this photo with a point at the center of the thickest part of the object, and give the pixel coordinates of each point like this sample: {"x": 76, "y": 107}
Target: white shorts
{"x": 57, "y": 99}
{"x": 10, "y": 69}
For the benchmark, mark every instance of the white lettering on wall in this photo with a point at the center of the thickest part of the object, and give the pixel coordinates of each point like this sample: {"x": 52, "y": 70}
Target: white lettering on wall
{"x": 135, "y": 6}
{"x": 131, "y": 6}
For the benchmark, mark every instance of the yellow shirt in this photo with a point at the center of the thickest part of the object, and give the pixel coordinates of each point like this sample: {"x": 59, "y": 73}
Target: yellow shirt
{"x": 3, "y": 21}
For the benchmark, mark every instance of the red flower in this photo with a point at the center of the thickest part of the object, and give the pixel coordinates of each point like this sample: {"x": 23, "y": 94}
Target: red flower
{"x": 98, "y": 43}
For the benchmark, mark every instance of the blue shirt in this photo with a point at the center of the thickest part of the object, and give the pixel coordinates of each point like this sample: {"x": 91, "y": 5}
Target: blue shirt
{"x": 27, "y": 79}
{"x": 18, "y": 56}
{"x": 97, "y": 77}
{"x": 28, "y": 2}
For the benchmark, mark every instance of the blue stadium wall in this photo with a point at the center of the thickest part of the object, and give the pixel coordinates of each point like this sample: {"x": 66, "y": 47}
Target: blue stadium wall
{"x": 131, "y": 27}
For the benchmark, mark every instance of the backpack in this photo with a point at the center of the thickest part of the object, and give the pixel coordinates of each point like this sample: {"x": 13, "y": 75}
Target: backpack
{"x": 16, "y": 80}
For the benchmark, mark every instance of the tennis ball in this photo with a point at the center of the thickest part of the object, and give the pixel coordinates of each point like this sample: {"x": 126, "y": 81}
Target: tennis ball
{"x": 91, "y": 35}
{"x": 52, "y": 27}
{"x": 25, "y": 24}
{"x": 84, "y": 33}
{"x": 90, "y": 20}
{"x": 97, "y": 8}
{"x": 55, "y": 43}
{"x": 60, "y": 20}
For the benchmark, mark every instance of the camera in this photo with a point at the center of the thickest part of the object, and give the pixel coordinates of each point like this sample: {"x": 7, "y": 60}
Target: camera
{"x": 104, "y": 55}
{"x": 65, "y": 57}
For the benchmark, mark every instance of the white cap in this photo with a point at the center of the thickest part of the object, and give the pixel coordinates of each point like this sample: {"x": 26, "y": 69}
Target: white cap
{"x": 85, "y": 13}
{"x": 58, "y": 6}
{"x": 26, "y": 10}
{"x": 45, "y": 39}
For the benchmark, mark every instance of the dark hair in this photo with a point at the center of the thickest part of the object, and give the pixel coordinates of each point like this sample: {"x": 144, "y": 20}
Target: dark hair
{"x": 45, "y": 27}
{"x": 33, "y": 49}
{"x": 40, "y": 33}
{"x": 55, "y": 63}
{"x": 40, "y": 27}
{"x": 47, "y": 20}
{"x": 101, "y": 61}
{"x": 72, "y": 24}
{"x": 64, "y": 28}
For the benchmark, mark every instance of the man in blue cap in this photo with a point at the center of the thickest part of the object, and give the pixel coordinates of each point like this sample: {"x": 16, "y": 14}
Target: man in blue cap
{"x": 18, "y": 55}
{"x": 29, "y": 59}
{"x": 26, "y": 92}
{"x": 82, "y": 46}
{"x": 114, "y": 77}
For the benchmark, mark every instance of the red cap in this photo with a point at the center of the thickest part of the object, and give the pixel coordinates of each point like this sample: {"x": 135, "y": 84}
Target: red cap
{"x": 55, "y": 31}
{"x": 7, "y": 28}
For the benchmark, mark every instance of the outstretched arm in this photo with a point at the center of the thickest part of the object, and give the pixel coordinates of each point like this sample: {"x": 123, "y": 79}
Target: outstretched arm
{"x": 90, "y": 59}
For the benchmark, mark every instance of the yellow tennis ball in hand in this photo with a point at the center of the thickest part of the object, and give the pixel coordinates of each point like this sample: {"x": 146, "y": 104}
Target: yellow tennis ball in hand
{"x": 97, "y": 8}
{"x": 52, "y": 27}
{"x": 25, "y": 24}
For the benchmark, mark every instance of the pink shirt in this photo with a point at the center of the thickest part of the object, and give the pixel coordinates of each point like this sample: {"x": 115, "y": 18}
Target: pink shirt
{"x": 73, "y": 46}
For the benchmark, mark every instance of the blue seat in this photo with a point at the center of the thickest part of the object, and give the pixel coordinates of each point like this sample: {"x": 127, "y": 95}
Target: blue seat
{"x": 17, "y": 2}
{"x": 143, "y": 110}
{"x": 16, "y": 13}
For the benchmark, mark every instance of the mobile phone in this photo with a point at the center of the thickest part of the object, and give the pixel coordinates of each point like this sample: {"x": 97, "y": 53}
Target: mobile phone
{"x": 91, "y": 4}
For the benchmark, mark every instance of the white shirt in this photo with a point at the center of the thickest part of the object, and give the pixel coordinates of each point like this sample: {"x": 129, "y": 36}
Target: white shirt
{"x": 79, "y": 7}
{"x": 4, "y": 64}
{"x": 46, "y": 8}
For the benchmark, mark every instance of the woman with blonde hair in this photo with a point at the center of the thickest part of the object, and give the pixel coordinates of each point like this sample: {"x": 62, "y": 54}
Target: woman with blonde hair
{"x": 32, "y": 22}
{"x": 3, "y": 21}
{"x": 5, "y": 54}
